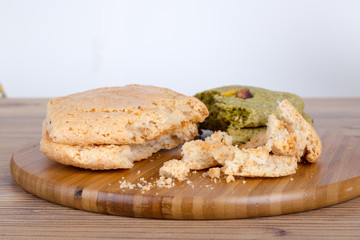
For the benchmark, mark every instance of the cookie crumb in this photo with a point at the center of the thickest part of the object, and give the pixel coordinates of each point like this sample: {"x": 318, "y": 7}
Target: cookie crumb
{"x": 350, "y": 148}
{"x": 126, "y": 184}
{"x": 175, "y": 169}
{"x": 138, "y": 172}
{"x": 292, "y": 179}
{"x": 230, "y": 178}
{"x": 165, "y": 182}
{"x": 214, "y": 172}
{"x": 243, "y": 181}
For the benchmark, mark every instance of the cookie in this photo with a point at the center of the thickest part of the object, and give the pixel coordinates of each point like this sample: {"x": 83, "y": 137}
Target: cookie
{"x": 110, "y": 156}
{"x": 132, "y": 114}
{"x": 308, "y": 143}
{"x": 174, "y": 169}
{"x": 290, "y": 136}
{"x": 277, "y": 138}
{"x": 232, "y": 113}
{"x": 259, "y": 163}
{"x": 110, "y": 128}
{"x": 274, "y": 153}
{"x": 198, "y": 154}
{"x": 253, "y": 162}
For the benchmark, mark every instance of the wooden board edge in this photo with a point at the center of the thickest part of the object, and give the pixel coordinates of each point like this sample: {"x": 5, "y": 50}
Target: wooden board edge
{"x": 167, "y": 207}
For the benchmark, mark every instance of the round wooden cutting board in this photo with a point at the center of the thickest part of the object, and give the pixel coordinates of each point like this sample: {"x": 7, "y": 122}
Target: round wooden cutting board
{"x": 334, "y": 179}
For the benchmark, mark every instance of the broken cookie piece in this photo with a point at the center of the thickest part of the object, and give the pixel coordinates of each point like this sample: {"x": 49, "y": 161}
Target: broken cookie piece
{"x": 254, "y": 162}
{"x": 259, "y": 163}
{"x": 290, "y": 136}
{"x": 198, "y": 155}
{"x": 175, "y": 169}
{"x": 214, "y": 172}
{"x": 279, "y": 138}
{"x": 230, "y": 179}
{"x": 276, "y": 137}
{"x": 274, "y": 153}
{"x": 308, "y": 143}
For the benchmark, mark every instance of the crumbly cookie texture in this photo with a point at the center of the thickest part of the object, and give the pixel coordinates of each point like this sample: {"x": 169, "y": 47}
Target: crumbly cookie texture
{"x": 197, "y": 154}
{"x": 252, "y": 162}
{"x": 258, "y": 163}
{"x": 175, "y": 169}
{"x": 132, "y": 114}
{"x": 271, "y": 154}
{"x": 276, "y": 137}
{"x": 230, "y": 178}
{"x": 214, "y": 172}
{"x": 114, "y": 156}
{"x": 308, "y": 143}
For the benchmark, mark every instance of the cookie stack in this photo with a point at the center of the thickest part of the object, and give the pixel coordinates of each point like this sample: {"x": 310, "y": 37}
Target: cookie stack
{"x": 243, "y": 111}
{"x": 110, "y": 128}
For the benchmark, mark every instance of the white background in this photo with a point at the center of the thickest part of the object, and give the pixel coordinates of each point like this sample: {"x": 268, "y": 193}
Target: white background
{"x": 54, "y": 48}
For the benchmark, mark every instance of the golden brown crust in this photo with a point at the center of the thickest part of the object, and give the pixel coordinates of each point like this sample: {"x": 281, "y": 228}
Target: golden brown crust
{"x": 132, "y": 114}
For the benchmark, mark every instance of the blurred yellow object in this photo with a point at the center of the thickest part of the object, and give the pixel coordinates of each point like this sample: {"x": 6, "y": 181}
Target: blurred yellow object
{"x": 229, "y": 93}
{"x": 2, "y": 91}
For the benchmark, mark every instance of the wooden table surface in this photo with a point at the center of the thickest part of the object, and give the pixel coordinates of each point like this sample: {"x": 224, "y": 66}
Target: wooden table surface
{"x": 24, "y": 216}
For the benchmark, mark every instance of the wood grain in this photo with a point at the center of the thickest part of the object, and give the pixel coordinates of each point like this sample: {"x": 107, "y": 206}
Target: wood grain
{"x": 335, "y": 178}
{"x": 25, "y": 216}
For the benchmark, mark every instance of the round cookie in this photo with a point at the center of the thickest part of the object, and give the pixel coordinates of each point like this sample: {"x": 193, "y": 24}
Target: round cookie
{"x": 132, "y": 114}
{"x": 243, "y": 118}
